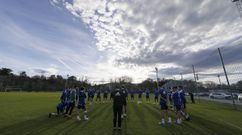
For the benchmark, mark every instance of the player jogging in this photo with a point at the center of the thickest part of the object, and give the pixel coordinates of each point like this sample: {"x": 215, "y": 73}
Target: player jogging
{"x": 164, "y": 107}
{"x": 132, "y": 94}
{"x": 140, "y": 92}
{"x": 125, "y": 95}
{"x": 156, "y": 95}
{"x": 91, "y": 94}
{"x": 81, "y": 104}
{"x": 177, "y": 104}
{"x": 98, "y": 96}
{"x": 147, "y": 93}
{"x": 183, "y": 101}
{"x": 105, "y": 96}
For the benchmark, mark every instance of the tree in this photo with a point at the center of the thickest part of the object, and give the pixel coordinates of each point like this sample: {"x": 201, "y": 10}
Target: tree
{"x": 5, "y": 71}
{"x": 22, "y": 74}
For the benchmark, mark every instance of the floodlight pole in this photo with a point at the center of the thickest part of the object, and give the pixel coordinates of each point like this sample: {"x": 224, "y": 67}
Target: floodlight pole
{"x": 195, "y": 79}
{"x": 226, "y": 75}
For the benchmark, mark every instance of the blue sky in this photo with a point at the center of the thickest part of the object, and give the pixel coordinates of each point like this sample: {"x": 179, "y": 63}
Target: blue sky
{"x": 40, "y": 36}
{"x": 106, "y": 39}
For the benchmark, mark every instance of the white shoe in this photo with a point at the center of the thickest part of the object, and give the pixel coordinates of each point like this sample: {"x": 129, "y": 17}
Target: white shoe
{"x": 162, "y": 123}
{"x": 125, "y": 115}
{"x": 86, "y": 118}
{"x": 78, "y": 118}
{"x": 169, "y": 120}
{"x": 178, "y": 121}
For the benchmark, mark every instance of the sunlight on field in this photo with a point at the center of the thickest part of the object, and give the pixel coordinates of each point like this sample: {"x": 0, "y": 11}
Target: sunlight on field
{"x": 27, "y": 113}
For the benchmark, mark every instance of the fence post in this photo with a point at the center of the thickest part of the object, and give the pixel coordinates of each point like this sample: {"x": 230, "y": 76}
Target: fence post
{"x": 194, "y": 73}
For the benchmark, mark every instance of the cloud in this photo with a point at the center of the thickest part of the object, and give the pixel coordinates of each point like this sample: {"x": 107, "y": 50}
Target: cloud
{"x": 44, "y": 71}
{"x": 148, "y": 33}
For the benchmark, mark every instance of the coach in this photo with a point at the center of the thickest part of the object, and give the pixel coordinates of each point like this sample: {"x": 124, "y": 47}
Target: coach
{"x": 117, "y": 97}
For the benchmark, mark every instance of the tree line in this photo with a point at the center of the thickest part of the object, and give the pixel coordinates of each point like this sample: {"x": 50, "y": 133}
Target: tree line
{"x": 21, "y": 81}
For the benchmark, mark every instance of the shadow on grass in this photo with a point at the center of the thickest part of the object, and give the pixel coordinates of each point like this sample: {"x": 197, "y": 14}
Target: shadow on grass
{"x": 54, "y": 125}
{"x": 34, "y": 126}
{"x": 202, "y": 126}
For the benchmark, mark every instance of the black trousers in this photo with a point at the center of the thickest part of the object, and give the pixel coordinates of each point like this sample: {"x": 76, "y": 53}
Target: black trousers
{"x": 70, "y": 108}
{"x": 117, "y": 112}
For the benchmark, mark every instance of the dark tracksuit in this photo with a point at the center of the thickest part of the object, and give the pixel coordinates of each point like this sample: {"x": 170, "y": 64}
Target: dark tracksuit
{"x": 117, "y": 107}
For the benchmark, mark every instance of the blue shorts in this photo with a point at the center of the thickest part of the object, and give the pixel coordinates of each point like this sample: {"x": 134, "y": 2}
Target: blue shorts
{"x": 81, "y": 106}
{"x": 177, "y": 107}
{"x": 163, "y": 106}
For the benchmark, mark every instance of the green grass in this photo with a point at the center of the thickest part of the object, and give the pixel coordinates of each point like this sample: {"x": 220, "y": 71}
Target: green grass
{"x": 26, "y": 113}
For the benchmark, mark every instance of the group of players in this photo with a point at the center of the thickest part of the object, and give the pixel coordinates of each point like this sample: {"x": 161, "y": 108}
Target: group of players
{"x": 172, "y": 100}
{"x": 71, "y": 98}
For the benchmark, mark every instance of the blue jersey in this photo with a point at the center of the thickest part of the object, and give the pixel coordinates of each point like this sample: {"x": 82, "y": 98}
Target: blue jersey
{"x": 91, "y": 92}
{"x": 68, "y": 96}
{"x": 81, "y": 97}
{"x": 99, "y": 93}
{"x": 163, "y": 96}
{"x": 77, "y": 91}
{"x": 61, "y": 107}
{"x": 140, "y": 92}
{"x": 63, "y": 97}
{"x": 156, "y": 94}
{"x": 176, "y": 98}
{"x": 147, "y": 92}
{"x": 182, "y": 96}
{"x": 105, "y": 93}
{"x": 132, "y": 92}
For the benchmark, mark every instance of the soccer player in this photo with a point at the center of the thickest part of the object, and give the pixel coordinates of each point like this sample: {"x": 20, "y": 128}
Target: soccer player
{"x": 156, "y": 96}
{"x": 170, "y": 96}
{"x": 132, "y": 94}
{"x": 177, "y": 104}
{"x": 192, "y": 97}
{"x": 105, "y": 96}
{"x": 183, "y": 101}
{"x": 125, "y": 95}
{"x": 81, "y": 104}
{"x": 91, "y": 93}
{"x": 61, "y": 106}
{"x": 77, "y": 93}
{"x": 71, "y": 98}
{"x": 147, "y": 92}
{"x": 140, "y": 92}
{"x": 163, "y": 106}
{"x": 117, "y": 97}
{"x": 98, "y": 95}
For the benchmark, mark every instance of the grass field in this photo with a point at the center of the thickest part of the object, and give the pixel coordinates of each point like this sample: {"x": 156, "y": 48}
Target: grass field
{"x": 26, "y": 113}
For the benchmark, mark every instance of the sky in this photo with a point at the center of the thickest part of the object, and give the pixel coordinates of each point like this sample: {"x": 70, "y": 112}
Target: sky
{"x": 105, "y": 39}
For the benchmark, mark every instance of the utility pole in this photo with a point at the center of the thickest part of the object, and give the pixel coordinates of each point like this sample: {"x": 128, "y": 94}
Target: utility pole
{"x": 195, "y": 79}
{"x": 219, "y": 80}
{"x": 226, "y": 76}
{"x": 181, "y": 76}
